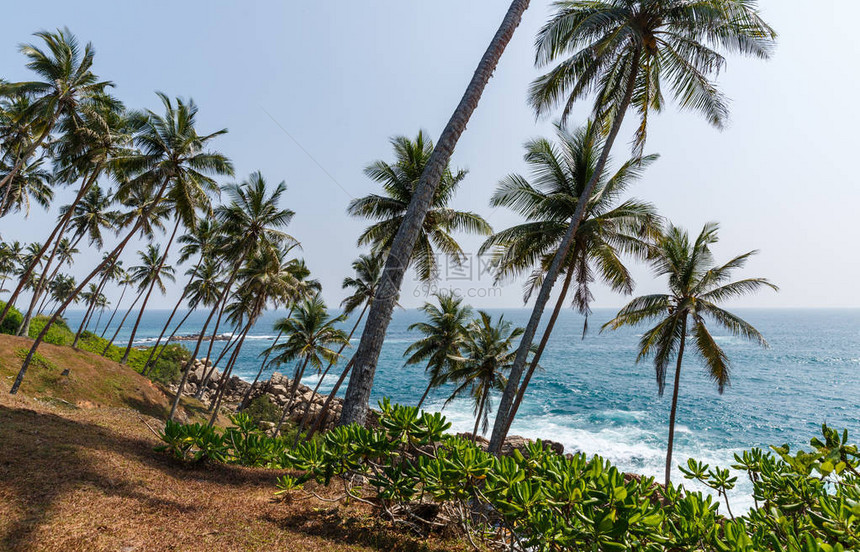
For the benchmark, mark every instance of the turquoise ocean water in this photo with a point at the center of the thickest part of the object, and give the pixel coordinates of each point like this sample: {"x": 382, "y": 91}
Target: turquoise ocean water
{"x": 593, "y": 397}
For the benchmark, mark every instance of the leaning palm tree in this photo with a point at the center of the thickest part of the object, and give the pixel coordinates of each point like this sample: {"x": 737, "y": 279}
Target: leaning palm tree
{"x": 172, "y": 152}
{"x": 151, "y": 272}
{"x": 311, "y": 335}
{"x": 67, "y": 82}
{"x": 548, "y": 200}
{"x": 402, "y": 247}
{"x": 444, "y": 334}
{"x": 622, "y": 52}
{"x": 10, "y": 257}
{"x": 488, "y": 352}
{"x": 696, "y": 287}
{"x": 251, "y": 221}
{"x": 124, "y": 279}
{"x": 398, "y": 183}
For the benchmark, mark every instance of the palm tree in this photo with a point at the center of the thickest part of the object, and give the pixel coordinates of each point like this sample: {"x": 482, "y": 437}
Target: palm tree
{"x": 696, "y": 286}
{"x": 403, "y": 246}
{"x": 305, "y": 288}
{"x": 66, "y": 251}
{"x": 171, "y": 151}
{"x": 199, "y": 242}
{"x": 399, "y": 182}
{"x": 368, "y": 272}
{"x": 16, "y": 136}
{"x": 124, "y": 279}
{"x": 488, "y": 353}
{"x": 444, "y": 335}
{"x": 266, "y": 279}
{"x": 311, "y": 335}
{"x": 620, "y": 51}
{"x": 67, "y": 84}
{"x": 113, "y": 271}
{"x": 560, "y": 170}
{"x": 70, "y": 98}
{"x": 31, "y": 184}
{"x": 151, "y": 272}
{"x": 10, "y": 258}
{"x": 61, "y": 289}
{"x": 250, "y": 222}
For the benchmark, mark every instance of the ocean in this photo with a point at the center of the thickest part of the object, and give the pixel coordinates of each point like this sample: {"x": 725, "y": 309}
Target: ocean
{"x": 593, "y": 397}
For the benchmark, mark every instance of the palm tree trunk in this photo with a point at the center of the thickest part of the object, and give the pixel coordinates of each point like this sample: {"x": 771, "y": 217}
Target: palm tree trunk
{"x": 41, "y": 283}
{"x": 321, "y": 419}
{"x": 227, "y": 368}
{"x": 85, "y": 322}
{"x": 361, "y": 382}
{"x": 552, "y": 274}
{"x": 122, "y": 323}
{"x": 188, "y": 365}
{"x": 115, "y": 309}
{"x": 675, "y": 401}
{"x": 167, "y": 342}
{"x": 172, "y": 314}
{"x": 149, "y": 291}
{"x": 481, "y": 407}
{"x": 243, "y": 403}
{"x": 227, "y": 373}
{"x": 98, "y": 320}
{"x": 424, "y": 396}
{"x": 536, "y": 358}
{"x": 299, "y": 373}
{"x": 41, "y": 337}
{"x": 25, "y": 277}
{"x": 324, "y": 374}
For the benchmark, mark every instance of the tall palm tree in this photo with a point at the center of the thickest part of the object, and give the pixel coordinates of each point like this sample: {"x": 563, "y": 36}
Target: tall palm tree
{"x": 621, "y": 50}
{"x": 488, "y": 352}
{"x": 368, "y": 272}
{"x": 124, "y": 279}
{"x": 199, "y": 242}
{"x": 10, "y": 258}
{"x": 266, "y": 279}
{"x": 312, "y": 334}
{"x": 16, "y": 136}
{"x": 150, "y": 272}
{"x": 67, "y": 84}
{"x": 444, "y": 334}
{"x": 66, "y": 251}
{"x": 173, "y": 152}
{"x": 548, "y": 200}
{"x": 251, "y": 221}
{"x": 399, "y": 181}
{"x": 113, "y": 271}
{"x": 696, "y": 286}
{"x": 72, "y": 99}
{"x": 402, "y": 247}
{"x": 305, "y": 288}
{"x": 61, "y": 288}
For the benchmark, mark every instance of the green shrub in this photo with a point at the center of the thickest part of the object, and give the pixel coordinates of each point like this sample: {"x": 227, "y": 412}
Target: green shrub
{"x": 58, "y": 334}
{"x": 262, "y": 409}
{"x": 13, "y": 320}
{"x": 168, "y": 369}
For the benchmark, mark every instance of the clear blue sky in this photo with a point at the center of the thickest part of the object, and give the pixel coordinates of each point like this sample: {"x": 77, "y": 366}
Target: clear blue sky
{"x": 342, "y": 77}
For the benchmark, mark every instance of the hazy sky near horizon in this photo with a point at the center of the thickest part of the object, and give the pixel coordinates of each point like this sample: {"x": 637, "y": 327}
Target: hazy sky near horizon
{"x": 311, "y": 92}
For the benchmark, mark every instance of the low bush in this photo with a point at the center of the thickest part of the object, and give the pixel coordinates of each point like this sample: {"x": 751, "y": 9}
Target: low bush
{"x": 58, "y": 334}
{"x": 167, "y": 370}
{"x": 262, "y": 409}
{"x": 13, "y": 320}
{"x": 419, "y": 477}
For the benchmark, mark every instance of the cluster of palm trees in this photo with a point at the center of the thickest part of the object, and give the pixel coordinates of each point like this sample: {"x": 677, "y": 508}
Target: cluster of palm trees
{"x": 142, "y": 174}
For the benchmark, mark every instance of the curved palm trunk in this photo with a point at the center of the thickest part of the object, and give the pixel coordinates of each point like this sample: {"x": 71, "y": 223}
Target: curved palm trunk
{"x": 366, "y": 357}
{"x": 170, "y": 318}
{"x": 552, "y": 274}
{"x": 122, "y": 323}
{"x": 90, "y": 308}
{"x": 536, "y": 358}
{"x": 675, "y": 402}
{"x": 244, "y": 402}
{"x": 167, "y": 342}
{"x": 324, "y": 374}
{"x": 300, "y": 371}
{"x": 321, "y": 419}
{"x": 25, "y": 277}
{"x": 149, "y": 291}
{"x": 424, "y": 396}
{"x": 98, "y": 319}
{"x": 478, "y": 418}
{"x": 240, "y": 334}
{"x": 115, "y": 309}
{"x": 41, "y": 337}
{"x": 227, "y": 373}
{"x": 46, "y": 279}
{"x": 188, "y": 365}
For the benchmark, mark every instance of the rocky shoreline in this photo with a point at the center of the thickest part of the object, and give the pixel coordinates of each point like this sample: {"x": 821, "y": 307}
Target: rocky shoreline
{"x": 278, "y": 386}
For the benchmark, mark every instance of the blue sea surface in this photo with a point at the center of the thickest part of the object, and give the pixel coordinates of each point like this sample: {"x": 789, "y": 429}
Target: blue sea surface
{"x": 593, "y": 397}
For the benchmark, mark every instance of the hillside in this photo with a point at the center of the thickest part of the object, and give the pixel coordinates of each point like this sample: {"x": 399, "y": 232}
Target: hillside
{"x": 78, "y": 473}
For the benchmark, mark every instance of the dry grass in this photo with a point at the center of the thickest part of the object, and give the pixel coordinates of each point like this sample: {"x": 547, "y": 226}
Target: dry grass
{"x": 78, "y": 473}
